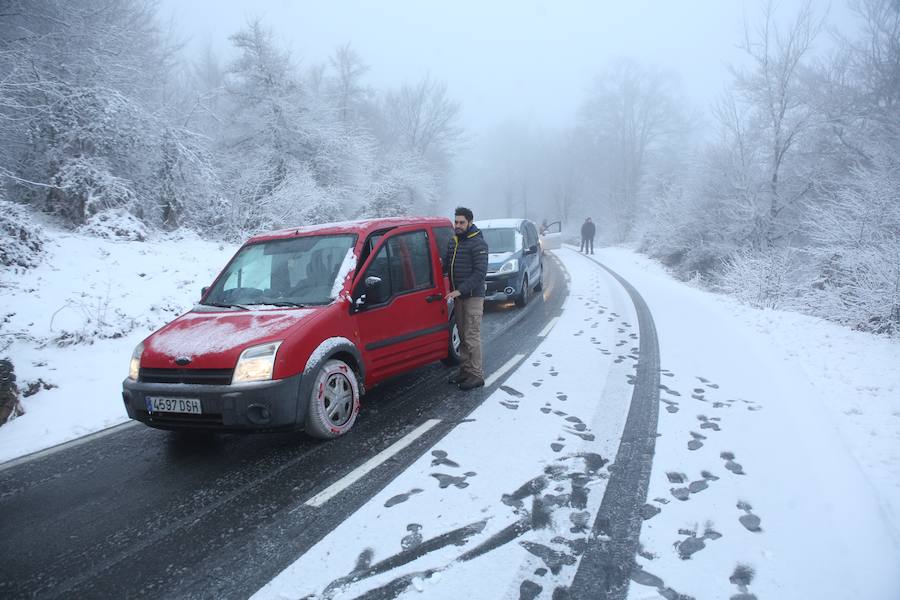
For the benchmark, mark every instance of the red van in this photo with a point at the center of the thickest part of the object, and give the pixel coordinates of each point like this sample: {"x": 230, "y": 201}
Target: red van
{"x": 297, "y": 326}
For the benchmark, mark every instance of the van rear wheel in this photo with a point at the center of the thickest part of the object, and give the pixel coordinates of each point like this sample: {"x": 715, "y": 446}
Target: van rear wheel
{"x": 453, "y": 351}
{"x": 333, "y": 400}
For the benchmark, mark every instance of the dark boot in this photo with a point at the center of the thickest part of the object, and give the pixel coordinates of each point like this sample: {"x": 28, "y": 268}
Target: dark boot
{"x": 471, "y": 384}
{"x": 457, "y": 377}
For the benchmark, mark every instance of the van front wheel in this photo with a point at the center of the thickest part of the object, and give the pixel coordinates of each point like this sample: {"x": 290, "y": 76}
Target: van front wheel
{"x": 333, "y": 400}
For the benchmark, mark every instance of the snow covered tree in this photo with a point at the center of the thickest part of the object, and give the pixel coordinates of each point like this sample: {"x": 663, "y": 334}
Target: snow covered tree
{"x": 629, "y": 118}
{"x": 772, "y": 92}
{"x": 422, "y": 118}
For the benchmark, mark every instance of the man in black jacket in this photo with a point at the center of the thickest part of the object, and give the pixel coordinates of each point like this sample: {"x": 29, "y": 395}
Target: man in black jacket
{"x": 466, "y": 262}
{"x": 588, "y": 229}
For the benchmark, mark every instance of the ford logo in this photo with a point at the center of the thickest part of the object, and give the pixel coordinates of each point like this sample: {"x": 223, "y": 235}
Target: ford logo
{"x": 183, "y": 360}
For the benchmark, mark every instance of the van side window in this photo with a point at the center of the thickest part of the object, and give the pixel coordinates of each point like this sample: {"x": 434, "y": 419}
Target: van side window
{"x": 410, "y": 262}
{"x": 404, "y": 262}
{"x": 530, "y": 235}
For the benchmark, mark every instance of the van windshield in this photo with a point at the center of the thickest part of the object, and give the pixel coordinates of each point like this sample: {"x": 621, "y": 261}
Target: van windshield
{"x": 294, "y": 272}
{"x": 500, "y": 240}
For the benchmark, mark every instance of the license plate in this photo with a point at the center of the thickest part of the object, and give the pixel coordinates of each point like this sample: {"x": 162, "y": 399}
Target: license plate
{"x": 174, "y": 405}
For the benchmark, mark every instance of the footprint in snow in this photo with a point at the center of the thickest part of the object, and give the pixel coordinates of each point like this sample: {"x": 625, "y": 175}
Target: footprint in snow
{"x": 668, "y": 390}
{"x": 446, "y": 481}
{"x": 732, "y": 466}
{"x": 696, "y": 443}
{"x": 440, "y": 458}
{"x": 512, "y": 391}
{"x": 400, "y": 498}
{"x": 413, "y": 538}
{"x": 708, "y": 423}
{"x": 742, "y": 576}
{"x": 693, "y": 544}
{"x": 749, "y": 520}
{"x": 642, "y": 577}
{"x": 671, "y": 406}
{"x": 529, "y": 590}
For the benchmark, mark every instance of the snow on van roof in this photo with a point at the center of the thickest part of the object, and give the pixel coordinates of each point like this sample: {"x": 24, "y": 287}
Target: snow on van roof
{"x": 355, "y": 226}
{"x": 499, "y": 223}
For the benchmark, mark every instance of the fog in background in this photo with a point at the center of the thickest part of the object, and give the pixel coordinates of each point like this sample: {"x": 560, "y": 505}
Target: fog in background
{"x": 750, "y": 146}
{"x": 520, "y": 70}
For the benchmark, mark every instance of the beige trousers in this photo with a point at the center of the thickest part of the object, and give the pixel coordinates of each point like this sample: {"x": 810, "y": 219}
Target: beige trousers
{"x": 468, "y": 319}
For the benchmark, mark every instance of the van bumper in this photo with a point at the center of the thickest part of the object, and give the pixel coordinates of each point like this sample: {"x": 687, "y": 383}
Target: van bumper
{"x": 260, "y": 406}
{"x": 501, "y": 288}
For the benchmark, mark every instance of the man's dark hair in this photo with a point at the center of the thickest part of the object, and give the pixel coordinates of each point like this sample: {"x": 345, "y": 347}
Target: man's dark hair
{"x": 462, "y": 211}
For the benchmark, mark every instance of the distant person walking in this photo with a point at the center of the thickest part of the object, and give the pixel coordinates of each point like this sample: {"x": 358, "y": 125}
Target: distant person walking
{"x": 588, "y": 230}
{"x": 466, "y": 262}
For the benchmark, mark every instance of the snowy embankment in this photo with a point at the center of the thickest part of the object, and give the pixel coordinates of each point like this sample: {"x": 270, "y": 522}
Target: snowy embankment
{"x": 779, "y": 453}
{"x": 74, "y": 320}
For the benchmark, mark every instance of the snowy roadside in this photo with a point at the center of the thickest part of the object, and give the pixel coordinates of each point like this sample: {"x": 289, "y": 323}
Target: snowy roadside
{"x": 777, "y": 469}
{"x": 74, "y": 320}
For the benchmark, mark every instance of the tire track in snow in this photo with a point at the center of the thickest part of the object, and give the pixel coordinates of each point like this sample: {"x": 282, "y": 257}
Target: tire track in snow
{"x": 605, "y": 569}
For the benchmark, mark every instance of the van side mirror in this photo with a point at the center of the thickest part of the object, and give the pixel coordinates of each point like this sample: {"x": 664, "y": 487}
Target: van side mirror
{"x": 203, "y": 291}
{"x": 376, "y": 290}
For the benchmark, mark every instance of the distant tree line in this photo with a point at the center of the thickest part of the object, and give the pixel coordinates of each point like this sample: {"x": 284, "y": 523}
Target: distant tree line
{"x": 106, "y": 123}
{"x": 786, "y": 194}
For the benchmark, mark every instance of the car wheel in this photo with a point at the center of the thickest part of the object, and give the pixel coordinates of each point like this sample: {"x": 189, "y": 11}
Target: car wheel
{"x": 333, "y": 400}
{"x": 540, "y": 285}
{"x": 522, "y": 298}
{"x": 453, "y": 357}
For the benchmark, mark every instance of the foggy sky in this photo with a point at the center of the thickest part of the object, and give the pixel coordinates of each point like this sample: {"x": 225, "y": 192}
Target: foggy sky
{"x": 520, "y": 60}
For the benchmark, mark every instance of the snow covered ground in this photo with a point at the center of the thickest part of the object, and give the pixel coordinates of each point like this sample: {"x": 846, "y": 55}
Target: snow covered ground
{"x": 779, "y": 455}
{"x": 74, "y": 320}
{"x": 777, "y": 469}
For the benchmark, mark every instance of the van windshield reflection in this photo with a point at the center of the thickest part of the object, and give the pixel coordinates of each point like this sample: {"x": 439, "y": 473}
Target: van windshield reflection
{"x": 293, "y": 273}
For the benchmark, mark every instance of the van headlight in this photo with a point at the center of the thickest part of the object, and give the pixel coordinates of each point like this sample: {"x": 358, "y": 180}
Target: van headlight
{"x": 135, "y": 368}
{"x": 510, "y": 266}
{"x": 256, "y": 363}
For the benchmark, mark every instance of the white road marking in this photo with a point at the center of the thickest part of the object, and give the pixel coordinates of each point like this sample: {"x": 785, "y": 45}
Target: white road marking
{"x": 362, "y": 470}
{"x": 67, "y": 445}
{"x": 503, "y": 370}
{"x": 546, "y": 330}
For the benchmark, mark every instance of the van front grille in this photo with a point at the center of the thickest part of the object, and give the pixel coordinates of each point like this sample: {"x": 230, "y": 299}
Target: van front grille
{"x": 193, "y": 376}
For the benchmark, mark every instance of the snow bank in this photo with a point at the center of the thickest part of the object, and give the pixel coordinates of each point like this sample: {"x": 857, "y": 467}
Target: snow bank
{"x": 71, "y": 323}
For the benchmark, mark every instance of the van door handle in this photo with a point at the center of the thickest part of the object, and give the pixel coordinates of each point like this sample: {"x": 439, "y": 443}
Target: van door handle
{"x": 433, "y": 298}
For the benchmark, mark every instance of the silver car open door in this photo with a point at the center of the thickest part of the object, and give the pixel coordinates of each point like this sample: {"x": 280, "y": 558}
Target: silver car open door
{"x": 551, "y": 236}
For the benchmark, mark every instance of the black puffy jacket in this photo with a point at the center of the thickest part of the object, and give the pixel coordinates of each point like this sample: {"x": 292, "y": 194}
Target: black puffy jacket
{"x": 466, "y": 262}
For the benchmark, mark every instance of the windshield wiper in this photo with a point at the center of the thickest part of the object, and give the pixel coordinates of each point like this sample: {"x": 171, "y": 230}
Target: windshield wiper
{"x": 291, "y": 304}
{"x": 217, "y": 305}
